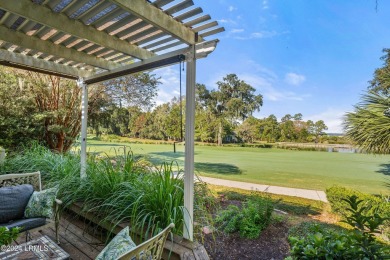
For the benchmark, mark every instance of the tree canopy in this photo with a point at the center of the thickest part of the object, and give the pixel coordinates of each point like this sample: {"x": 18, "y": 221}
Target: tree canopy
{"x": 46, "y": 108}
{"x": 368, "y": 125}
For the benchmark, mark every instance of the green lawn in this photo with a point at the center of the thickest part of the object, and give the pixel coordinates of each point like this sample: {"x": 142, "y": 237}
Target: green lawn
{"x": 299, "y": 169}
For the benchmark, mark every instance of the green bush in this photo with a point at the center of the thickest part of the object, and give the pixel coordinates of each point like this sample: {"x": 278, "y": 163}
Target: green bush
{"x": 313, "y": 241}
{"x": 336, "y": 196}
{"x": 250, "y": 220}
{"x": 8, "y": 235}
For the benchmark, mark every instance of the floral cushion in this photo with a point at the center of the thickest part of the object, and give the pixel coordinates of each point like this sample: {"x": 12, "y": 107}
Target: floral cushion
{"x": 41, "y": 204}
{"x": 118, "y": 246}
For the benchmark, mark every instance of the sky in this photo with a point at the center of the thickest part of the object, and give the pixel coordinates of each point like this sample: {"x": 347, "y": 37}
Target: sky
{"x": 313, "y": 57}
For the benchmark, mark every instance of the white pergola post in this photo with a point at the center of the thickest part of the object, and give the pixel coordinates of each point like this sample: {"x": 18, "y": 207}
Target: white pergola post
{"x": 189, "y": 145}
{"x": 84, "y": 117}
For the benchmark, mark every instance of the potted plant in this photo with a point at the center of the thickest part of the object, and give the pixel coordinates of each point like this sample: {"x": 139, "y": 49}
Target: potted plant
{"x": 8, "y": 235}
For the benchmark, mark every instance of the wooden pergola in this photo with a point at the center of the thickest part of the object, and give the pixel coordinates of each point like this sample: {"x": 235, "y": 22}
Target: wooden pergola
{"x": 96, "y": 40}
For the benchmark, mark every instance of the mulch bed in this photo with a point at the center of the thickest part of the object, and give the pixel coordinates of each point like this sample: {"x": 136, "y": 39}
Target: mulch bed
{"x": 272, "y": 243}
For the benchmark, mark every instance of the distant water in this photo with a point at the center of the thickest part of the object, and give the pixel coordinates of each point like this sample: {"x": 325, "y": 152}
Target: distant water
{"x": 342, "y": 150}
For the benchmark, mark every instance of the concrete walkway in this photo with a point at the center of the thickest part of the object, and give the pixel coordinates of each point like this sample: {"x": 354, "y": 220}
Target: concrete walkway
{"x": 308, "y": 194}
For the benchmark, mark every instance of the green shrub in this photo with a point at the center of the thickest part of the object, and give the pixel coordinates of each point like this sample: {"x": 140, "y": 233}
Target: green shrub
{"x": 372, "y": 204}
{"x": 337, "y": 194}
{"x": 313, "y": 241}
{"x": 250, "y": 220}
{"x": 8, "y": 235}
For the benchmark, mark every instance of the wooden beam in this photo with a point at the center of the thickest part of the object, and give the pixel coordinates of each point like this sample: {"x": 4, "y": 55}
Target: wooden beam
{"x": 152, "y": 63}
{"x": 48, "y": 47}
{"x": 159, "y": 19}
{"x": 17, "y": 60}
{"x": 44, "y": 15}
{"x": 201, "y": 50}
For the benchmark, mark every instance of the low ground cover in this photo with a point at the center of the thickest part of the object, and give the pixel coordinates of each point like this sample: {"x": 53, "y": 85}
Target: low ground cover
{"x": 302, "y": 169}
{"x": 297, "y": 235}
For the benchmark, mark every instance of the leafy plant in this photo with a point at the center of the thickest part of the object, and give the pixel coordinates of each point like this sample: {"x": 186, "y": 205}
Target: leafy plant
{"x": 8, "y": 235}
{"x": 250, "y": 220}
{"x": 313, "y": 241}
{"x": 370, "y": 205}
{"x": 365, "y": 226}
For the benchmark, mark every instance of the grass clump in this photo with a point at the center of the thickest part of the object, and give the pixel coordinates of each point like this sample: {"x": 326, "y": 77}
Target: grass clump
{"x": 116, "y": 189}
{"x": 250, "y": 220}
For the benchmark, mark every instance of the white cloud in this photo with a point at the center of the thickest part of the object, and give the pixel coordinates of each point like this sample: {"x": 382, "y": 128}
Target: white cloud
{"x": 237, "y": 31}
{"x": 170, "y": 83}
{"x": 261, "y": 35}
{"x": 227, "y": 21}
{"x": 232, "y": 8}
{"x": 265, "y": 4}
{"x": 253, "y": 65}
{"x": 266, "y": 86}
{"x": 332, "y": 117}
{"x": 294, "y": 79}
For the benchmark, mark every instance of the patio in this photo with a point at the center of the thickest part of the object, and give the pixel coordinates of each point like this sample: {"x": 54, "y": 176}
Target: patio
{"x": 94, "y": 41}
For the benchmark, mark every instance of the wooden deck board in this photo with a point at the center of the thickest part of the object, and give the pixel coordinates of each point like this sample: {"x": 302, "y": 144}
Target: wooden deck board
{"x": 77, "y": 238}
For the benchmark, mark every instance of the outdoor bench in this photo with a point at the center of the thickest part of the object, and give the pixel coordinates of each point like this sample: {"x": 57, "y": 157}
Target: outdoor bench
{"x": 15, "y": 192}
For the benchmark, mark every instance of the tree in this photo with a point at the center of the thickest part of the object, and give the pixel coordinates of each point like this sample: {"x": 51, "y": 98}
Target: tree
{"x": 316, "y": 128}
{"x": 381, "y": 81}
{"x": 17, "y": 107}
{"x": 58, "y": 102}
{"x": 368, "y": 126}
{"x": 297, "y": 117}
{"x": 234, "y": 100}
{"x": 287, "y": 131}
{"x": 249, "y": 129}
{"x": 205, "y": 125}
{"x": 99, "y": 109}
{"x": 269, "y": 129}
{"x": 286, "y": 118}
{"x": 137, "y": 89}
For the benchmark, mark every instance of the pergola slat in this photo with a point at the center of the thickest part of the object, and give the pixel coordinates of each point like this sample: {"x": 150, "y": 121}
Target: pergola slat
{"x": 178, "y": 7}
{"x": 189, "y": 14}
{"x": 88, "y": 15}
{"x": 43, "y": 15}
{"x": 27, "y": 62}
{"x": 48, "y": 47}
{"x": 161, "y": 3}
{"x": 155, "y": 44}
{"x": 108, "y": 18}
{"x": 158, "y": 19}
{"x": 90, "y": 10}
{"x": 212, "y": 32}
{"x": 205, "y": 26}
{"x": 198, "y": 20}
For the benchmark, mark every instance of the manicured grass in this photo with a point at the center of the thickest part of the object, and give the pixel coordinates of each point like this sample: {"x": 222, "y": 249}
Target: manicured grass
{"x": 299, "y": 169}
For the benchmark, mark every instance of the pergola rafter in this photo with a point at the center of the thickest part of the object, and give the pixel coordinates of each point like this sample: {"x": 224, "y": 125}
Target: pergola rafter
{"x": 159, "y": 19}
{"x": 21, "y": 61}
{"x": 93, "y": 41}
{"x": 37, "y": 44}
{"x": 45, "y": 16}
